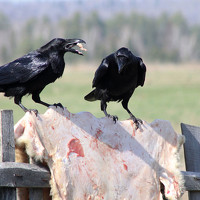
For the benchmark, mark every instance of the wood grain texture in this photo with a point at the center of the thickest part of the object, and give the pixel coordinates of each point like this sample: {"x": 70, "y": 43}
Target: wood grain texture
{"x": 23, "y": 175}
{"x": 192, "y": 147}
{"x": 35, "y": 193}
{"x": 192, "y": 156}
{"x": 7, "y": 193}
{"x": 192, "y": 180}
{"x": 7, "y": 145}
{"x": 7, "y": 148}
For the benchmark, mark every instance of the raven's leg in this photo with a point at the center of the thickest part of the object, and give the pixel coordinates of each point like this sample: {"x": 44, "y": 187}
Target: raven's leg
{"x": 36, "y": 98}
{"x": 17, "y": 100}
{"x": 103, "y": 108}
{"x": 135, "y": 120}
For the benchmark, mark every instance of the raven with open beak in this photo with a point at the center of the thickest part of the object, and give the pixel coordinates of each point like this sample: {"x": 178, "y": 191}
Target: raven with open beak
{"x": 30, "y": 73}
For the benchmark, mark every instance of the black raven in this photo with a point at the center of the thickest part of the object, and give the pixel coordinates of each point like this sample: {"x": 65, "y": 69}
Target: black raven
{"x": 116, "y": 79}
{"x": 33, "y": 71}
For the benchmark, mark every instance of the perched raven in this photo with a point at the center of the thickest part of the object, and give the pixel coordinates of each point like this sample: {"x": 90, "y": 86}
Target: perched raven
{"x": 116, "y": 79}
{"x": 33, "y": 71}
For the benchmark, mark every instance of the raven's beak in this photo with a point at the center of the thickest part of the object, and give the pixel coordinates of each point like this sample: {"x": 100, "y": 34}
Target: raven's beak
{"x": 121, "y": 62}
{"x": 70, "y": 43}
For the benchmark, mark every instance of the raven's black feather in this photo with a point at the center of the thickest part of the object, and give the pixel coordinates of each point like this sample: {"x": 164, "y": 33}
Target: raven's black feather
{"x": 116, "y": 79}
{"x": 23, "y": 69}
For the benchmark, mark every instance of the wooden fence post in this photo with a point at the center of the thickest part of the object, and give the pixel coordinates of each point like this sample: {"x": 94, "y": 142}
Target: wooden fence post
{"x": 192, "y": 154}
{"x": 7, "y": 148}
{"x": 35, "y": 193}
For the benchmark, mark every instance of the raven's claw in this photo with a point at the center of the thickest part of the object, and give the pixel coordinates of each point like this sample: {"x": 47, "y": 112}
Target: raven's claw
{"x": 137, "y": 122}
{"x": 113, "y": 117}
{"x": 58, "y": 105}
{"x": 33, "y": 110}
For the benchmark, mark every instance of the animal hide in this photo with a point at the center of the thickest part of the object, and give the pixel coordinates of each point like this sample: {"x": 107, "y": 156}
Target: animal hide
{"x": 93, "y": 159}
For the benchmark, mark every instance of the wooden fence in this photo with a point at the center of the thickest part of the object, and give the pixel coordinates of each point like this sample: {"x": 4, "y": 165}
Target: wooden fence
{"x": 23, "y": 175}
{"x": 192, "y": 160}
{"x": 17, "y": 175}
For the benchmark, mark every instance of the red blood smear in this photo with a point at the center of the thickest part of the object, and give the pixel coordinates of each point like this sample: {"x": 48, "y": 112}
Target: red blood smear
{"x": 75, "y": 147}
{"x": 125, "y": 167}
{"x": 98, "y": 133}
{"x": 132, "y": 124}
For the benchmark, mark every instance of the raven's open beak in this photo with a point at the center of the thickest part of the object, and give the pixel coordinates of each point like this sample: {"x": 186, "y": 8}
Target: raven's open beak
{"x": 70, "y": 43}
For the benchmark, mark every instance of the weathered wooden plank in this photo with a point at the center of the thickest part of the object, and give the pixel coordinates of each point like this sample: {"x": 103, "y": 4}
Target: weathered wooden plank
{"x": 192, "y": 180}
{"x": 192, "y": 153}
{"x": 35, "y": 193}
{"x": 7, "y": 193}
{"x": 23, "y": 175}
{"x": 192, "y": 147}
{"x": 7, "y": 148}
{"x": 7, "y": 145}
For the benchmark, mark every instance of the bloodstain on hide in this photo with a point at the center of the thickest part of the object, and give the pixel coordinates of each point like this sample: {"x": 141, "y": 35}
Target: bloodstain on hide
{"x": 75, "y": 146}
{"x": 30, "y": 124}
{"x": 125, "y": 166}
{"x": 98, "y": 133}
{"x": 132, "y": 124}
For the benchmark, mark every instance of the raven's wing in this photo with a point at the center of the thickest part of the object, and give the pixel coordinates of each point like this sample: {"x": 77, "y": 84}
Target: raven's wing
{"x": 23, "y": 69}
{"x": 141, "y": 73}
{"x": 100, "y": 72}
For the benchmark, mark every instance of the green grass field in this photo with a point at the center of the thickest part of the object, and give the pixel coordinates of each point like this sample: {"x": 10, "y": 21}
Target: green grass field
{"x": 171, "y": 92}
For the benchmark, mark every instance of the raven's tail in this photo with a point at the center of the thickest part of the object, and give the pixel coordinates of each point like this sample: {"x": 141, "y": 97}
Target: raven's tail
{"x": 91, "y": 96}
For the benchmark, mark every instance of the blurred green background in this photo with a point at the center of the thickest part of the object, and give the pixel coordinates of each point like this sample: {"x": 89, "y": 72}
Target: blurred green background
{"x": 171, "y": 92}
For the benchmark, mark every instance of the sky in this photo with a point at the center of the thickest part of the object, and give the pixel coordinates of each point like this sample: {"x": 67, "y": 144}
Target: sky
{"x": 32, "y": 0}
{"x": 18, "y": 1}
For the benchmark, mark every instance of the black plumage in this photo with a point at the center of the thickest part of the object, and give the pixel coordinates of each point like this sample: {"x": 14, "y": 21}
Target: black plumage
{"x": 116, "y": 79}
{"x": 33, "y": 71}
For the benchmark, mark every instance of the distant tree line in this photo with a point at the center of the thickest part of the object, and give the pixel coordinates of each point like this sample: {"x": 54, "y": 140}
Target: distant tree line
{"x": 166, "y": 38}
